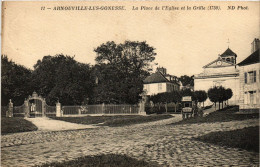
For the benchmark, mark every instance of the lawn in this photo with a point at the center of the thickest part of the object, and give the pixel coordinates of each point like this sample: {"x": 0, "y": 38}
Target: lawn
{"x": 108, "y": 160}
{"x": 16, "y": 124}
{"x": 113, "y": 121}
{"x": 223, "y": 115}
{"x": 247, "y": 138}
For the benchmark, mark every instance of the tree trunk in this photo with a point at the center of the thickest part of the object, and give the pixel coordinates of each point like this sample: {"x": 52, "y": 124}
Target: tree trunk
{"x": 215, "y": 106}
{"x": 203, "y": 104}
{"x": 218, "y": 105}
{"x": 222, "y": 104}
{"x": 175, "y": 107}
{"x": 166, "y": 107}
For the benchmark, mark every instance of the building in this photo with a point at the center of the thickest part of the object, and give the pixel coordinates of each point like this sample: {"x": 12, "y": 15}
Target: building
{"x": 223, "y": 71}
{"x": 250, "y": 80}
{"x": 160, "y": 82}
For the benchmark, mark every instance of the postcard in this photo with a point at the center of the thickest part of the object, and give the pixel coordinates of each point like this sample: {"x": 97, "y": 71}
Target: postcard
{"x": 130, "y": 83}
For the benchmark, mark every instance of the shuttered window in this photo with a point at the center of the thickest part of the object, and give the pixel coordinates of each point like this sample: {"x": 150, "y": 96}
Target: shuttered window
{"x": 245, "y": 77}
{"x": 254, "y": 76}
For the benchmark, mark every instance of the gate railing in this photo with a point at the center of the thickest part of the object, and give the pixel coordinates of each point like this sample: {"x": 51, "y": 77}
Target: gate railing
{"x": 100, "y": 109}
{"x": 19, "y": 111}
{"x": 50, "y": 111}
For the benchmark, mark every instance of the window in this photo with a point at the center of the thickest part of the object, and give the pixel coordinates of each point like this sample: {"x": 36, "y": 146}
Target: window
{"x": 252, "y": 97}
{"x": 232, "y": 59}
{"x": 252, "y": 77}
{"x": 187, "y": 105}
{"x": 228, "y": 59}
{"x": 159, "y": 86}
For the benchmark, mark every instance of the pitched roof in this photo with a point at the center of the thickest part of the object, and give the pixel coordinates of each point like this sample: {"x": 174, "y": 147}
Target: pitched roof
{"x": 252, "y": 59}
{"x": 228, "y": 52}
{"x": 156, "y": 77}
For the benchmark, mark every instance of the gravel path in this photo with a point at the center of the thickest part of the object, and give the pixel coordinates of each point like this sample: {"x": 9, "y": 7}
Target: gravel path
{"x": 169, "y": 145}
{"x": 47, "y": 124}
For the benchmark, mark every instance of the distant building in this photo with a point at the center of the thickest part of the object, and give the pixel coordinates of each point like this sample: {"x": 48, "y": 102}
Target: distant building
{"x": 250, "y": 80}
{"x": 160, "y": 82}
{"x": 220, "y": 72}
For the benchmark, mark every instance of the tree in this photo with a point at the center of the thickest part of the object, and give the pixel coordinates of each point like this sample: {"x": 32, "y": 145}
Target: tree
{"x": 128, "y": 66}
{"x": 187, "y": 80}
{"x": 222, "y": 95}
{"x": 62, "y": 78}
{"x": 219, "y": 94}
{"x": 15, "y": 81}
{"x": 229, "y": 94}
{"x": 213, "y": 95}
{"x": 166, "y": 97}
{"x": 201, "y": 96}
{"x": 176, "y": 98}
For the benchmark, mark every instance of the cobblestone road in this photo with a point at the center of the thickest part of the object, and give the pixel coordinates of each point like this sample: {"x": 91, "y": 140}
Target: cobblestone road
{"x": 166, "y": 144}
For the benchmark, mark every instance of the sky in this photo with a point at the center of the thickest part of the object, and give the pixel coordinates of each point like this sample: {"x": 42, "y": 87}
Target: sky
{"x": 185, "y": 40}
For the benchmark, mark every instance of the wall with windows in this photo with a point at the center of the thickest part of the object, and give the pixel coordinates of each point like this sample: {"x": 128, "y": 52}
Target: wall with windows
{"x": 249, "y": 87}
{"x": 155, "y": 88}
{"x": 172, "y": 87}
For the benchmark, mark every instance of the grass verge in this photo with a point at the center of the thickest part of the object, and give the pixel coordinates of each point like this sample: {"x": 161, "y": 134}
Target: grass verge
{"x": 119, "y": 120}
{"x": 246, "y": 138}
{"x": 108, "y": 160}
{"x": 223, "y": 115}
{"x": 15, "y": 125}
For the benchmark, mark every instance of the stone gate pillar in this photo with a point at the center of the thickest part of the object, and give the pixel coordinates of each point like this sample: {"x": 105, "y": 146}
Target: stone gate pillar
{"x": 26, "y": 108}
{"x": 141, "y": 108}
{"x": 9, "y": 112}
{"x": 58, "y": 110}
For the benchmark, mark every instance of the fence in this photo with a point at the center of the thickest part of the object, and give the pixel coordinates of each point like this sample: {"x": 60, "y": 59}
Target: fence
{"x": 50, "y": 111}
{"x": 19, "y": 111}
{"x": 100, "y": 109}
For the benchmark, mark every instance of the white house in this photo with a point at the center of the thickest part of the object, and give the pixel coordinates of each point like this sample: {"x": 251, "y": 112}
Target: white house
{"x": 250, "y": 80}
{"x": 223, "y": 71}
{"x": 160, "y": 82}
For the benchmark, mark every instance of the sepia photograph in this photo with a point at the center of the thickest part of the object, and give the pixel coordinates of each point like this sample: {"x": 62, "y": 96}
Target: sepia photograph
{"x": 130, "y": 83}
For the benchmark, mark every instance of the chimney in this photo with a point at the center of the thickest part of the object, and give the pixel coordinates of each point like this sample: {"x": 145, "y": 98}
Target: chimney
{"x": 255, "y": 45}
{"x": 162, "y": 70}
